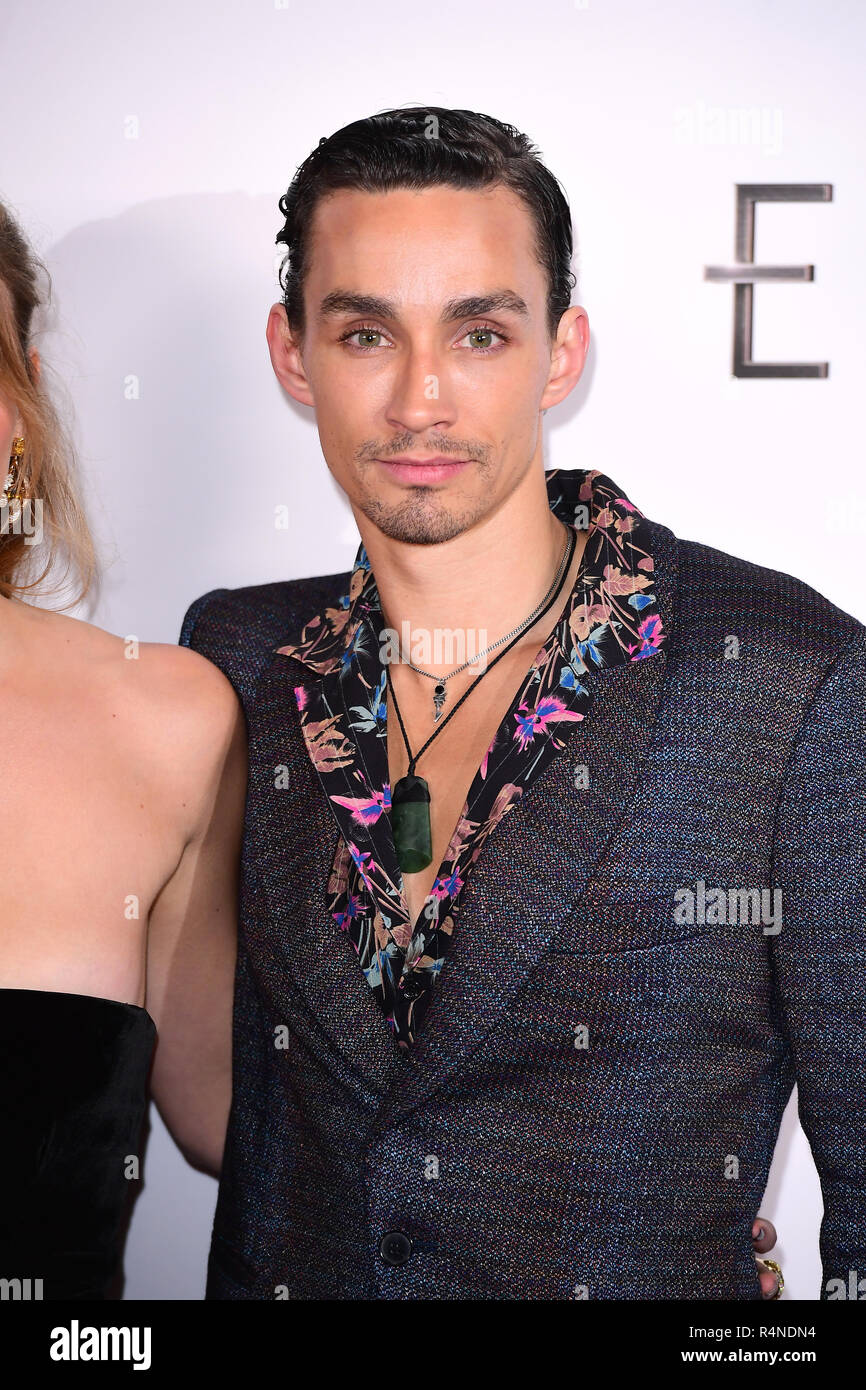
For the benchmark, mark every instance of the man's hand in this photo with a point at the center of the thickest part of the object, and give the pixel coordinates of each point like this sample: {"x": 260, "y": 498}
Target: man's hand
{"x": 763, "y": 1239}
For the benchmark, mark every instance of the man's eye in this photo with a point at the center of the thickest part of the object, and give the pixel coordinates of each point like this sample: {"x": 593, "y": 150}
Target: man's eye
{"x": 362, "y": 333}
{"x": 481, "y": 330}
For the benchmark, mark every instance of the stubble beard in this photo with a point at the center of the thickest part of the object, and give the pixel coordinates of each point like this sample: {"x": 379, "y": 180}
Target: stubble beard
{"x": 424, "y": 517}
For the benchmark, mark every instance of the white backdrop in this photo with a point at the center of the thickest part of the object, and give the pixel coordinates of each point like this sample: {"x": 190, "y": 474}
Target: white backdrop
{"x": 144, "y": 151}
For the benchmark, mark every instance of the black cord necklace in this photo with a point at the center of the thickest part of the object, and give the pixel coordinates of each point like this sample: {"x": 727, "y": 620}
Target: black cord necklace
{"x": 410, "y": 799}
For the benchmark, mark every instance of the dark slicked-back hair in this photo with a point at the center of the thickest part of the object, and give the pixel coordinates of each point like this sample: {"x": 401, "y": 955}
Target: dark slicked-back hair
{"x": 420, "y": 147}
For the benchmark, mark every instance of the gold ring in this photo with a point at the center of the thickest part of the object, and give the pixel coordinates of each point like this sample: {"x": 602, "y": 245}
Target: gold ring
{"x": 771, "y": 1264}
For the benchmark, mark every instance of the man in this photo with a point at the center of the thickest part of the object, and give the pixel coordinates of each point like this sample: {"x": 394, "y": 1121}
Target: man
{"x": 505, "y": 1026}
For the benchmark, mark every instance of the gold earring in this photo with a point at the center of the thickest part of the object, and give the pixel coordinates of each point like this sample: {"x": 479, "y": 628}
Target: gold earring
{"x": 13, "y": 477}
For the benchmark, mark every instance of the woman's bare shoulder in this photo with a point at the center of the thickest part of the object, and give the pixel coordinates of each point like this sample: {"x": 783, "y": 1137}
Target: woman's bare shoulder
{"x": 169, "y": 701}
{"x": 164, "y": 668}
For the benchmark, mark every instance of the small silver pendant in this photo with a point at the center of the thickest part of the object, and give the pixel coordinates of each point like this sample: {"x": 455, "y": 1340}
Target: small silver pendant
{"x": 439, "y": 694}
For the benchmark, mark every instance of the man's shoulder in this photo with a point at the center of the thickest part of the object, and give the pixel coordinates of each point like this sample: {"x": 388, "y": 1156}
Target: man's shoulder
{"x": 240, "y": 629}
{"x": 259, "y": 612}
{"x": 761, "y": 606}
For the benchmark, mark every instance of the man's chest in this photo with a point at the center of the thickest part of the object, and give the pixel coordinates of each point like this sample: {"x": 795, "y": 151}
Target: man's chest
{"x": 451, "y": 762}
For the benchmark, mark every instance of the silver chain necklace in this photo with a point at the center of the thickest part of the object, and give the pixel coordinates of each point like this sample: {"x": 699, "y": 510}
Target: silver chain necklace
{"x": 440, "y": 692}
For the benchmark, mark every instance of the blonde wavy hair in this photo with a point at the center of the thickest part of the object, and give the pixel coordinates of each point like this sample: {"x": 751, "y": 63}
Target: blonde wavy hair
{"x": 48, "y": 467}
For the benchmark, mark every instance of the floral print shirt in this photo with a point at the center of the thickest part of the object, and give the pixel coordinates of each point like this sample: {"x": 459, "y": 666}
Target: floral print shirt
{"x": 611, "y": 617}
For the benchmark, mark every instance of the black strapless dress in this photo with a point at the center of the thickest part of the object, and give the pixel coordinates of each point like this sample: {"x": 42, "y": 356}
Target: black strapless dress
{"x": 73, "y": 1076}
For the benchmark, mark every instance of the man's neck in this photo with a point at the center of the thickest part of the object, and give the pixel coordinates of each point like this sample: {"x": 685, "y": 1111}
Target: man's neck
{"x": 485, "y": 581}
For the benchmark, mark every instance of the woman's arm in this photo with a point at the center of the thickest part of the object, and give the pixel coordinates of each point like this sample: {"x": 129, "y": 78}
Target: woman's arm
{"x": 193, "y": 930}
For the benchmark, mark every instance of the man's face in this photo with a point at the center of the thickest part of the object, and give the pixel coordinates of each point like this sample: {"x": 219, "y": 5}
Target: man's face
{"x": 422, "y": 374}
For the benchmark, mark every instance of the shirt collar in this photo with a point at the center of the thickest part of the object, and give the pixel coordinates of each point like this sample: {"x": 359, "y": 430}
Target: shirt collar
{"x": 612, "y": 616}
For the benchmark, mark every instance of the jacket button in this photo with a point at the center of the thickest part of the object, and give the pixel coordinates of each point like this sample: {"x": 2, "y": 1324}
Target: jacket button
{"x": 395, "y": 1247}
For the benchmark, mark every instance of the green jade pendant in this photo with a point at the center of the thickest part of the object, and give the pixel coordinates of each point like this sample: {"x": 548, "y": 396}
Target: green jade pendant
{"x": 410, "y": 823}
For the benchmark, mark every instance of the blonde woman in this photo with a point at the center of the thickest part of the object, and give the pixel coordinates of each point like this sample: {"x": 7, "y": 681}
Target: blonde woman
{"x": 122, "y": 785}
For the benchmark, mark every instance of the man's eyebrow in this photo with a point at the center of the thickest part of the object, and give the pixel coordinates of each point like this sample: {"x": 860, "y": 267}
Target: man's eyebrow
{"x": 499, "y": 301}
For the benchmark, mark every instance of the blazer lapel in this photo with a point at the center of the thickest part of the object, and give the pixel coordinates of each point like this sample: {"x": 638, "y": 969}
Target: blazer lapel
{"x": 294, "y": 843}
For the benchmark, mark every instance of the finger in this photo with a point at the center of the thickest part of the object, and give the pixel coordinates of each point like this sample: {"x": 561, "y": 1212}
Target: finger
{"x": 769, "y": 1282}
{"x": 763, "y": 1235}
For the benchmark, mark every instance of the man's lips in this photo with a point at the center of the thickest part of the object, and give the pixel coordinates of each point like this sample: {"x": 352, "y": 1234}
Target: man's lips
{"x": 434, "y": 470}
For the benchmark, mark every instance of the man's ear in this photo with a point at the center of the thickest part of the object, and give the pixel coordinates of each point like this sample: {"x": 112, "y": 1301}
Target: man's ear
{"x": 286, "y": 356}
{"x": 568, "y": 356}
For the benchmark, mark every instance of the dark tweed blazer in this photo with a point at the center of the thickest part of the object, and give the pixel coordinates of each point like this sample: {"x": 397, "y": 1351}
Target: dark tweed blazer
{"x": 592, "y": 1105}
